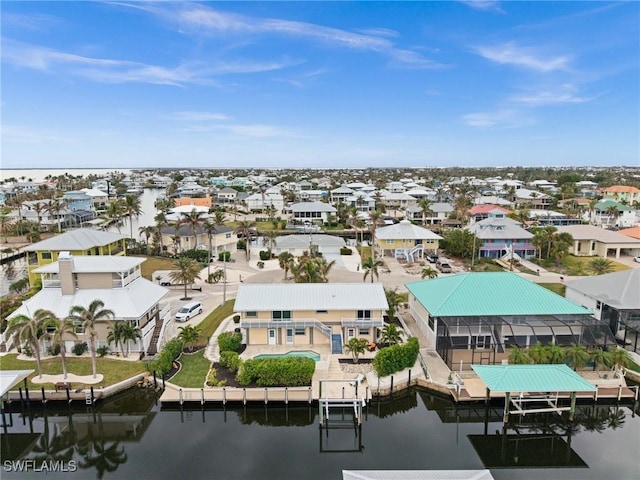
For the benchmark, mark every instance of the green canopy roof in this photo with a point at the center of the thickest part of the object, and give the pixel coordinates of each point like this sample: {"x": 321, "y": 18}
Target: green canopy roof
{"x": 490, "y": 294}
{"x": 532, "y": 378}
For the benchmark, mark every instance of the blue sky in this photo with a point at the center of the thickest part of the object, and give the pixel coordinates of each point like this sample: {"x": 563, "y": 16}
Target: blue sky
{"x": 319, "y": 84}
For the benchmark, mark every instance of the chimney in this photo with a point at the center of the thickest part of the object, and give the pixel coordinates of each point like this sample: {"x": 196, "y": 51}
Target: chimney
{"x": 65, "y": 268}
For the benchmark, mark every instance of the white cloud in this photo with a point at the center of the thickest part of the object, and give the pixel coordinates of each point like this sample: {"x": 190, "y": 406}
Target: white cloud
{"x": 564, "y": 95}
{"x": 193, "y": 116}
{"x": 199, "y": 19}
{"x": 243, "y": 130}
{"x": 500, "y": 118}
{"x": 512, "y": 54}
{"x": 124, "y": 71}
{"x": 484, "y": 5}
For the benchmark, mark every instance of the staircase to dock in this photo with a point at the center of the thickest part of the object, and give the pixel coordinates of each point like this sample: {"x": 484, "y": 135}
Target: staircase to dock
{"x": 153, "y": 345}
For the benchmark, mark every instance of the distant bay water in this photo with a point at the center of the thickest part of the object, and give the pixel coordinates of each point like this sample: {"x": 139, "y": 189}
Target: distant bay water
{"x": 39, "y": 174}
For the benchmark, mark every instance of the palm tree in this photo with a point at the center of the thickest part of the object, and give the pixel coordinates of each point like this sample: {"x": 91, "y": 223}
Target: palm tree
{"x": 189, "y": 335}
{"x": 577, "y": 355}
{"x": 131, "y": 207}
{"x": 30, "y": 330}
{"x": 555, "y": 353}
{"x": 518, "y": 356}
{"x": 613, "y": 212}
{"x": 375, "y": 218}
{"x": 244, "y": 227}
{"x": 114, "y": 212}
{"x": 370, "y": 267}
{"x": 211, "y": 229}
{"x": 285, "y": 259}
{"x": 186, "y": 272}
{"x": 600, "y": 357}
{"x": 63, "y": 327}
{"x": 218, "y": 216}
{"x": 161, "y": 221}
{"x": 89, "y": 317}
{"x": 5, "y": 221}
{"x": 621, "y": 358}
{"x": 429, "y": 272}
{"x": 393, "y": 300}
{"x": 425, "y": 207}
{"x": 147, "y": 231}
{"x": 54, "y": 207}
{"x": 538, "y": 353}
{"x": 356, "y": 346}
{"x": 600, "y": 266}
{"x": 116, "y": 334}
{"x": 130, "y": 334}
{"x": 391, "y": 334}
{"x": 193, "y": 218}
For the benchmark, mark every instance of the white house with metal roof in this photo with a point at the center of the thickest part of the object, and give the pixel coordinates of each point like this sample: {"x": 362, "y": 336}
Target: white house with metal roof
{"x": 327, "y": 245}
{"x": 310, "y": 313}
{"x": 614, "y": 298}
{"x": 406, "y": 240}
{"x": 312, "y": 212}
{"x": 116, "y": 281}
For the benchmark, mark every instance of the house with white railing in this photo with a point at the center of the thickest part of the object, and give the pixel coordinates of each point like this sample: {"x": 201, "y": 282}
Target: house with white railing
{"x": 116, "y": 281}
{"x": 310, "y": 313}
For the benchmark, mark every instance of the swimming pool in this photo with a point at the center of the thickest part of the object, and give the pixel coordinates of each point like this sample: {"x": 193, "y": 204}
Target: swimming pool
{"x": 294, "y": 353}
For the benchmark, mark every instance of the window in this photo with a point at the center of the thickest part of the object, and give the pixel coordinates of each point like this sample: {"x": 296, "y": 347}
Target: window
{"x": 432, "y": 322}
{"x": 321, "y": 311}
{"x": 228, "y": 235}
{"x": 301, "y": 331}
{"x": 251, "y": 314}
{"x": 78, "y": 327}
{"x": 364, "y": 314}
{"x": 390, "y": 242}
{"x": 599, "y": 305}
{"x": 281, "y": 315}
{"x": 364, "y": 331}
{"x": 46, "y": 255}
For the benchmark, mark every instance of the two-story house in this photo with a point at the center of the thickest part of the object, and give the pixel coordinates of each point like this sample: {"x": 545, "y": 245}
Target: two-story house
{"x": 407, "y": 241}
{"x": 622, "y": 193}
{"x": 177, "y": 240}
{"x": 311, "y": 212}
{"x": 310, "y": 313}
{"x": 499, "y": 236}
{"x": 83, "y": 241}
{"x": 116, "y": 281}
{"x": 608, "y": 213}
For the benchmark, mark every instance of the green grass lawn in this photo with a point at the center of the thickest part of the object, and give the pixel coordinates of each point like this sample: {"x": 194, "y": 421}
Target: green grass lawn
{"x": 193, "y": 372}
{"x": 114, "y": 371}
{"x": 572, "y": 265}
{"x": 214, "y": 319}
{"x": 155, "y": 263}
{"x": 558, "y": 288}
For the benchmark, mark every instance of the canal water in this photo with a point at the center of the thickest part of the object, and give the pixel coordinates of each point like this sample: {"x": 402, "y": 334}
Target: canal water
{"x": 131, "y": 436}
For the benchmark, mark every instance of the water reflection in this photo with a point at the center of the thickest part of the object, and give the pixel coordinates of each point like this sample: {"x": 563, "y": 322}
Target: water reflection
{"x": 413, "y": 430}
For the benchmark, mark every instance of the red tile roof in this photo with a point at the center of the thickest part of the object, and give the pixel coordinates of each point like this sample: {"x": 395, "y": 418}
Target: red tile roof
{"x": 486, "y": 208}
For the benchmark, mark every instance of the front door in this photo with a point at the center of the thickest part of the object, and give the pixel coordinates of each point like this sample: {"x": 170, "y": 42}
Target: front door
{"x": 289, "y": 336}
{"x": 272, "y": 336}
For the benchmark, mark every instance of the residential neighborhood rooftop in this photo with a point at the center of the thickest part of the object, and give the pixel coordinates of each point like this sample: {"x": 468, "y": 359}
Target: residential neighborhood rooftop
{"x": 79, "y": 239}
{"x": 532, "y": 378}
{"x": 618, "y": 289}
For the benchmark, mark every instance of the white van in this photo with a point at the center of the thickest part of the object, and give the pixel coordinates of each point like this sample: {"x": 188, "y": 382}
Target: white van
{"x": 188, "y": 310}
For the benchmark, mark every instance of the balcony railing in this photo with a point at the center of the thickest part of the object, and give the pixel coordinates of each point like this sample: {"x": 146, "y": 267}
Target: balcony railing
{"x": 362, "y": 322}
{"x": 51, "y": 283}
{"x": 287, "y": 324}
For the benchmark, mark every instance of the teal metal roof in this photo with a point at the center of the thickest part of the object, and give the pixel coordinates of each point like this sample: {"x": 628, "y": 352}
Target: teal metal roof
{"x": 532, "y": 378}
{"x": 489, "y": 294}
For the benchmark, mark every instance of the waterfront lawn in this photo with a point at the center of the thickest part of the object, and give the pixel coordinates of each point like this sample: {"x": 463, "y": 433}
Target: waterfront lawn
{"x": 114, "y": 371}
{"x": 154, "y": 264}
{"x": 558, "y": 288}
{"x": 193, "y": 372}
{"x": 572, "y": 265}
{"x": 214, "y": 319}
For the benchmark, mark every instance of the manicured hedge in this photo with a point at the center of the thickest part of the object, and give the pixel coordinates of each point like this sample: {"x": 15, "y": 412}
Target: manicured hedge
{"x": 277, "y": 372}
{"x": 398, "y": 357}
{"x": 230, "y": 360}
{"x": 345, "y": 251}
{"x": 230, "y": 341}
{"x": 164, "y": 362}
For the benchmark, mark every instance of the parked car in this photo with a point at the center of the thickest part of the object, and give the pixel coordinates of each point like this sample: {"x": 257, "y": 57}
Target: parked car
{"x": 432, "y": 258}
{"x": 443, "y": 265}
{"x": 188, "y": 310}
{"x": 636, "y": 259}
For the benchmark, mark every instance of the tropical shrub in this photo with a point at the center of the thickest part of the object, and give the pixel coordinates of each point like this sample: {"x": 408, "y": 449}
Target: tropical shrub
{"x": 277, "y": 372}
{"x": 396, "y": 358}
{"x": 265, "y": 254}
{"x": 236, "y": 319}
{"x": 164, "y": 361}
{"x": 224, "y": 256}
{"x": 230, "y": 341}
{"x": 102, "y": 351}
{"x": 230, "y": 360}
{"x": 80, "y": 348}
{"x": 212, "y": 380}
{"x": 260, "y": 265}
{"x": 54, "y": 349}
{"x": 345, "y": 251}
